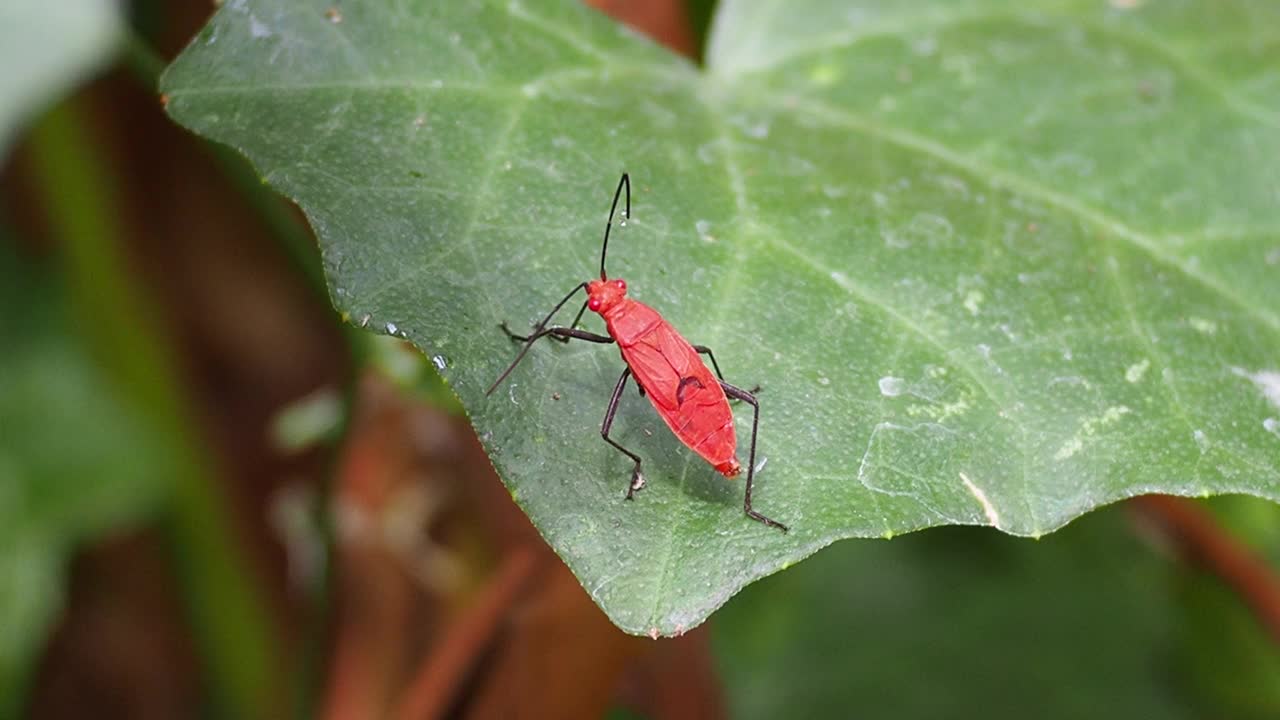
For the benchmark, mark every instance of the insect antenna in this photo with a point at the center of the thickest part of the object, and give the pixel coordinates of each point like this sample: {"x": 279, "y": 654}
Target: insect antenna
{"x": 626, "y": 180}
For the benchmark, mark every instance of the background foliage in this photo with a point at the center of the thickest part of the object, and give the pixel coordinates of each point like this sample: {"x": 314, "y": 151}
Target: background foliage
{"x": 992, "y": 265}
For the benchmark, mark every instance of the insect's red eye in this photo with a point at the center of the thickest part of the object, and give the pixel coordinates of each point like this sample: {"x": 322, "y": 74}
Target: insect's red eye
{"x": 594, "y": 303}
{"x": 622, "y": 284}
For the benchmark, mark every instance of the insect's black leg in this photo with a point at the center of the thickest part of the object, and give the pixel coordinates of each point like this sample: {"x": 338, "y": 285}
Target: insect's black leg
{"x": 571, "y": 333}
{"x": 578, "y": 318}
{"x": 745, "y": 396}
{"x": 514, "y": 337}
{"x": 563, "y": 334}
{"x": 525, "y": 338}
{"x": 547, "y": 319}
{"x": 542, "y": 331}
{"x": 555, "y": 332}
{"x": 637, "y": 480}
{"x": 704, "y": 350}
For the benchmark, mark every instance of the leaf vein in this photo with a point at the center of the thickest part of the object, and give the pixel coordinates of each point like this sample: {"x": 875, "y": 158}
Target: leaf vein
{"x": 1011, "y": 180}
{"x": 1185, "y": 65}
{"x": 573, "y": 40}
{"x": 414, "y": 273}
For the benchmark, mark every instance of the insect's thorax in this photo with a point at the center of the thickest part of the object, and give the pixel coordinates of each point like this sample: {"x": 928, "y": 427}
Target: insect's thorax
{"x": 629, "y": 321}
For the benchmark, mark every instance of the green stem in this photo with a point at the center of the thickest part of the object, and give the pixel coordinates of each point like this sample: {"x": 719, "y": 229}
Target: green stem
{"x": 145, "y": 62}
{"x": 698, "y": 15}
{"x": 229, "y": 617}
{"x": 299, "y": 247}
{"x": 274, "y": 212}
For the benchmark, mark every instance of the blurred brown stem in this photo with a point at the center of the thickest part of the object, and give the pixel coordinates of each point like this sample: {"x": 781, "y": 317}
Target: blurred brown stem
{"x": 431, "y": 692}
{"x": 1206, "y": 543}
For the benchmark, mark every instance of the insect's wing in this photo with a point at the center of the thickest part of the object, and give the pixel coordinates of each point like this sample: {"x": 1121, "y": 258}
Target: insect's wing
{"x": 685, "y": 393}
{"x": 653, "y": 367}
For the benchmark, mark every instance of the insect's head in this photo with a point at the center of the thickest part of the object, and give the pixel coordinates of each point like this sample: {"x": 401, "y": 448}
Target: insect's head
{"x": 604, "y": 294}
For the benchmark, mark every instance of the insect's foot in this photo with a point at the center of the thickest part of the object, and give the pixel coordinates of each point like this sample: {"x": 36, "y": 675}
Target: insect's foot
{"x": 514, "y": 337}
{"x": 637, "y": 483}
{"x": 767, "y": 521}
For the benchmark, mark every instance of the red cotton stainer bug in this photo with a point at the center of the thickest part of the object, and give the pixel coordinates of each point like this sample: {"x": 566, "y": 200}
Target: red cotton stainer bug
{"x": 666, "y": 367}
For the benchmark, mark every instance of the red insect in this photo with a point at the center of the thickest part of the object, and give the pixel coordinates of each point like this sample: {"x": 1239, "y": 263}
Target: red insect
{"x": 693, "y": 402}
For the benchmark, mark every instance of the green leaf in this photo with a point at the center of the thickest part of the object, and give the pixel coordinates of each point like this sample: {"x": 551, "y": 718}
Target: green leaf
{"x": 74, "y": 461}
{"x": 1080, "y": 625}
{"x": 991, "y": 265}
{"x": 47, "y": 48}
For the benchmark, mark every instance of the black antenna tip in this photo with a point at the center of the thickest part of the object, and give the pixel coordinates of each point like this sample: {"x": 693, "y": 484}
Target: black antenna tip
{"x": 626, "y": 213}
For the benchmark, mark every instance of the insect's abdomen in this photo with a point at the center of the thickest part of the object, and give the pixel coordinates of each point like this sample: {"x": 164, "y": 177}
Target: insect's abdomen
{"x": 681, "y": 388}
